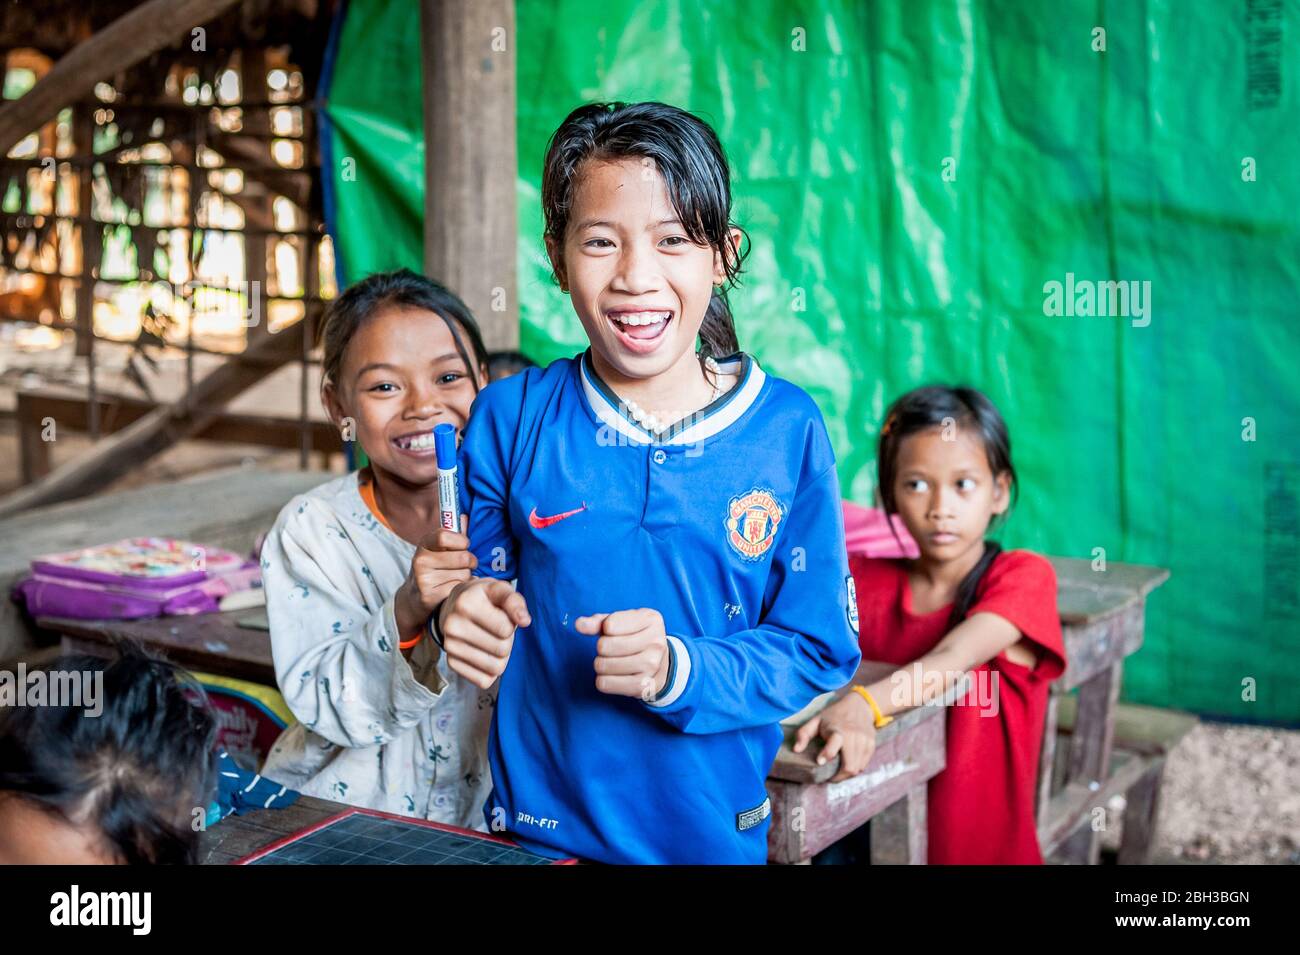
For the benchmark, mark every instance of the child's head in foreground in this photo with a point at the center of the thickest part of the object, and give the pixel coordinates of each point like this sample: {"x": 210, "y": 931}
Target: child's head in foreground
{"x": 401, "y": 354}
{"x": 120, "y": 787}
{"x": 637, "y": 200}
{"x": 944, "y": 463}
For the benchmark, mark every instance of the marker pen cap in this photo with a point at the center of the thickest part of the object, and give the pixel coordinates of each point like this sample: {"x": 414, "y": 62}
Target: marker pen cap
{"x": 444, "y": 445}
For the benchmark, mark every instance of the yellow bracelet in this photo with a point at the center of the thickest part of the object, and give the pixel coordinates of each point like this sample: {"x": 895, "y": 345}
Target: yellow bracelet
{"x": 881, "y": 719}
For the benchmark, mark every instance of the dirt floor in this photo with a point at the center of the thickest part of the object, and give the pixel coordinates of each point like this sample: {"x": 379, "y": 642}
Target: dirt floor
{"x": 1231, "y": 795}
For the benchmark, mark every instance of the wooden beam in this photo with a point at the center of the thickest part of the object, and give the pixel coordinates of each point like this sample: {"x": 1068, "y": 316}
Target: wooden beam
{"x": 158, "y": 430}
{"x": 118, "y": 411}
{"x": 123, "y": 43}
{"x": 253, "y": 157}
{"x": 470, "y": 167}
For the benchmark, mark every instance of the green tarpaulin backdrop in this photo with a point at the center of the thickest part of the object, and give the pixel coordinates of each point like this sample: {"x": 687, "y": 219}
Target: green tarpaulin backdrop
{"x": 912, "y": 175}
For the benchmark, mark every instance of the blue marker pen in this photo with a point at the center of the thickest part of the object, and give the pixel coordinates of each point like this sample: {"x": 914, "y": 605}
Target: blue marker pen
{"x": 444, "y": 448}
{"x": 444, "y": 445}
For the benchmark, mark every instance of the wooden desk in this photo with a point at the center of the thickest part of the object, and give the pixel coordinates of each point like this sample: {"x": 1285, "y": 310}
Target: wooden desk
{"x": 1103, "y": 616}
{"x": 236, "y": 836}
{"x": 809, "y": 812}
{"x": 211, "y": 642}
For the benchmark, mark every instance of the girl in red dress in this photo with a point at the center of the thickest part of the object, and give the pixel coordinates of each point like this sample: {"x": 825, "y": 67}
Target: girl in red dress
{"x": 963, "y": 609}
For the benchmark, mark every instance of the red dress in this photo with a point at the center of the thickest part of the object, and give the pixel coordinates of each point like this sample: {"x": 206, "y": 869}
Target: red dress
{"x": 981, "y": 807}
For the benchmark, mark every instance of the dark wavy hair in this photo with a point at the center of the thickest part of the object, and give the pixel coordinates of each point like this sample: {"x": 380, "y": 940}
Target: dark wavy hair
{"x": 933, "y": 407}
{"x": 687, "y": 153}
{"x": 136, "y": 772}
{"x": 402, "y": 288}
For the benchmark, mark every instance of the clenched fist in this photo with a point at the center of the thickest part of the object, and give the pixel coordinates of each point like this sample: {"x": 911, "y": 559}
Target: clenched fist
{"x": 632, "y": 654}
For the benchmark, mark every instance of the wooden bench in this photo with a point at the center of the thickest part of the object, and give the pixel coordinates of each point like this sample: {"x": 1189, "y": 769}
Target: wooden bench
{"x": 1103, "y": 616}
{"x": 1146, "y": 735}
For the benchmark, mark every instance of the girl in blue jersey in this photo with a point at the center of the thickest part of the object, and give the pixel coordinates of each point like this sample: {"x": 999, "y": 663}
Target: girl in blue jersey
{"x": 671, "y": 515}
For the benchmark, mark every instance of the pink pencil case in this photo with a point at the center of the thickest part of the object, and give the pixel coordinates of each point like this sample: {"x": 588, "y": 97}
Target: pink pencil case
{"x": 136, "y": 577}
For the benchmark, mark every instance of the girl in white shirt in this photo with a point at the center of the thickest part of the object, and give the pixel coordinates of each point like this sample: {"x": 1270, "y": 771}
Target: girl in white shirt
{"x": 353, "y": 568}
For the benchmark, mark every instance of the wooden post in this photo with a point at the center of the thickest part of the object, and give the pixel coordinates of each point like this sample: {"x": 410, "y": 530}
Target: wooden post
{"x": 470, "y": 168}
{"x": 135, "y": 36}
{"x": 1094, "y": 726}
{"x": 899, "y": 835}
{"x": 92, "y": 250}
{"x": 310, "y": 292}
{"x": 252, "y": 88}
{"x": 1047, "y": 759}
{"x": 1141, "y": 813}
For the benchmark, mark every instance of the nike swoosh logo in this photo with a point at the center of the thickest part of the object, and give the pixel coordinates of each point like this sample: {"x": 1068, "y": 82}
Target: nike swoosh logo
{"x": 540, "y": 522}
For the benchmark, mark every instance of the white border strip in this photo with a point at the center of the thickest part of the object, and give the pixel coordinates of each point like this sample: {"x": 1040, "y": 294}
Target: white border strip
{"x": 678, "y": 649}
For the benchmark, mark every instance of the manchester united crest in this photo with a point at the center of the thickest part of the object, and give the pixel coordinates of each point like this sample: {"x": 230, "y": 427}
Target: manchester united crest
{"x": 752, "y": 520}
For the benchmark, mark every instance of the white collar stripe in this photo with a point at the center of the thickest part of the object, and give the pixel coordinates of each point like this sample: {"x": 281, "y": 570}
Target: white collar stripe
{"x": 746, "y": 392}
{"x": 738, "y": 402}
{"x": 606, "y": 412}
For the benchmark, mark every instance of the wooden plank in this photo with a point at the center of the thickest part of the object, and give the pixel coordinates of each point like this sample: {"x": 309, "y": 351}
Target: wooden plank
{"x": 33, "y": 449}
{"x": 1148, "y": 730}
{"x": 786, "y": 839}
{"x": 90, "y": 239}
{"x": 1076, "y": 800}
{"x": 1047, "y": 758}
{"x": 212, "y": 642}
{"x": 470, "y": 166}
{"x": 118, "y": 411}
{"x": 125, "y": 42}
{"x": 1084, "y": 594}
{"x": 1081, "y": 847}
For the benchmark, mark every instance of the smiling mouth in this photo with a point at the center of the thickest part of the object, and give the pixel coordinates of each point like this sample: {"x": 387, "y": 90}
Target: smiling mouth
{"x": 418, "y": 441}
{"x": 640, "y": 331}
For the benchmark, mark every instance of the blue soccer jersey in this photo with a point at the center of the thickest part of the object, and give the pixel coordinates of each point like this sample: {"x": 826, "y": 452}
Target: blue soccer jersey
{"x": 730, "y": 525}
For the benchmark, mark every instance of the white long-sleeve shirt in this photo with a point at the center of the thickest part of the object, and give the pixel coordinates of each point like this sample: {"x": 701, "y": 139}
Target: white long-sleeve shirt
{"x": 373, "y": 729}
